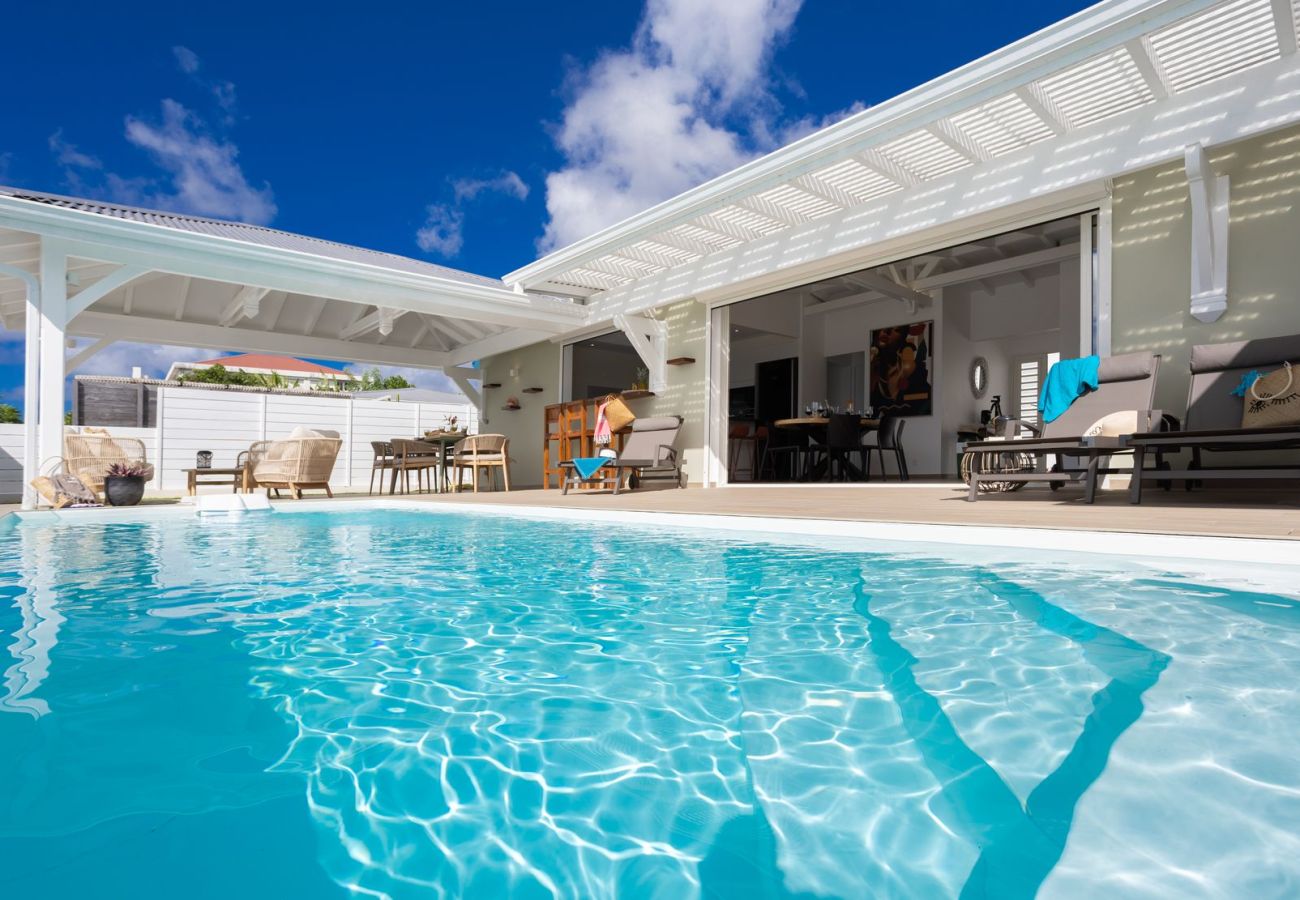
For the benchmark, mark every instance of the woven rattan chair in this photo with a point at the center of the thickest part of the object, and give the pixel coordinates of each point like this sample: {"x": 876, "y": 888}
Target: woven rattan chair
{"x": 297, "y": 463}
{"x": 419, "y": 457}
{"x": 89, "y": 454}
{"x": 384, "y": 461}
{"x": 482, "y": 452}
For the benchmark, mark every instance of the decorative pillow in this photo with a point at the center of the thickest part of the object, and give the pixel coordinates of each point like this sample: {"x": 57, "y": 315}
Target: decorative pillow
{"x": 1127, "y": 421}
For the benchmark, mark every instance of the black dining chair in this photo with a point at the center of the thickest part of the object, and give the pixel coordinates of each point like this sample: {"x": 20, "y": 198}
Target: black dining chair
{"x": 888, "y": 438}
{"x": 843, "y": 439}
{"x": 780, "y": 444}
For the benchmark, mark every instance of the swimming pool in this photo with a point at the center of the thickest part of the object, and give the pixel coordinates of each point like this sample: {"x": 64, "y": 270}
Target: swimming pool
{"x": 394, "y": 703}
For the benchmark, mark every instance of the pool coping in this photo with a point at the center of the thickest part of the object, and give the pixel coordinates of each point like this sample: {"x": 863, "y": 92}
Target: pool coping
{"x": 1215, "y": 550}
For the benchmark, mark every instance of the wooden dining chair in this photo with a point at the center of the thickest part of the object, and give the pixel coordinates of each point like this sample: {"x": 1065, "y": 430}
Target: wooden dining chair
{"x": 384, "y": 462}
{"x": 418, "y": 457}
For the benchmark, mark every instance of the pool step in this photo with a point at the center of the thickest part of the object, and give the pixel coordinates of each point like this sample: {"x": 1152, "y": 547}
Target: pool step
{"x": 230, "y": 504}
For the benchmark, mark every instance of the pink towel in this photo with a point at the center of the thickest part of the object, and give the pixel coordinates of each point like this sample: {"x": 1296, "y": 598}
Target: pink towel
{"x": 603, "y": 433}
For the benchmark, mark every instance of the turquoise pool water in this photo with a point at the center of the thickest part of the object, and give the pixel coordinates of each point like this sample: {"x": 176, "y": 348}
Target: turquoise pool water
{"x": 388, "y": 703}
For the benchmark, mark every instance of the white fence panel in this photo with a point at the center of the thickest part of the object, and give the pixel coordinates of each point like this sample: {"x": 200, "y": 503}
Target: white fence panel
{"x": 223, "y": 422}
{"x": 11, "y": 461}
{"x": 378, "y": 420}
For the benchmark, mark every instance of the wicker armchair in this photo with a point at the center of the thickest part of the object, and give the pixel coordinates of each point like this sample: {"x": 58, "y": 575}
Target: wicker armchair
{"x": 485, "y": 452}
{"x": 297, "y": 463}
{"x": 89, "y": 454}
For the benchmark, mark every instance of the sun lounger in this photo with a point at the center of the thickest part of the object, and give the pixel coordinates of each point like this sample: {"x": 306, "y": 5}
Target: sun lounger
{"x": 1213, "y": 421}
{"x": 648, "y": 455}
{"x": 1125, "y": 383}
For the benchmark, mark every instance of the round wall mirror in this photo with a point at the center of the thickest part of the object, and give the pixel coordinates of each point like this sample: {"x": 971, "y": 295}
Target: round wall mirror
{"x": 979, "y": 376}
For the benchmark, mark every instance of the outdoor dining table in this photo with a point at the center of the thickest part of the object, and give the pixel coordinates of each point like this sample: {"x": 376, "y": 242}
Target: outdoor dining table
{"x": 437, "y": 444}
{"x": 815, "y": 426}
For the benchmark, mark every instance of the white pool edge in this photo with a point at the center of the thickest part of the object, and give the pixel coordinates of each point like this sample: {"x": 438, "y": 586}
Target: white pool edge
{"x": 1198, "y": 548}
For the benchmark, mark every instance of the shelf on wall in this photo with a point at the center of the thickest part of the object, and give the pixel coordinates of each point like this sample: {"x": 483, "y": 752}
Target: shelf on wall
{"x": 511, "y": 408}
{"x": 681, "y": 360}
{"x": 492, "y": 384}
{"x": 532, "y": 390}
{"x": 636, "y": 395}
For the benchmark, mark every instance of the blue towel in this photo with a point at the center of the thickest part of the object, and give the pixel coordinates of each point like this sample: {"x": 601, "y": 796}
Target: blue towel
{"x": 589, "y": 465}
{"x": 1066, "y": 382}
{"x": 1246, "y": 381}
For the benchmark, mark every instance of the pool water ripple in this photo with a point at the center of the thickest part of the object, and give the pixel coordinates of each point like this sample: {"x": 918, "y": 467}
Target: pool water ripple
{"x": 404, "y": 704}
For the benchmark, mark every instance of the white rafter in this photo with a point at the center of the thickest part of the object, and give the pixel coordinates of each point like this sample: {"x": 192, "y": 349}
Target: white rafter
{"x": 246, "y": 304}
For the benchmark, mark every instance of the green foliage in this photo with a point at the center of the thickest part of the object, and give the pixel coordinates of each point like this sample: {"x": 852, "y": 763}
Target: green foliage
{"x": 219, "y": 374}
{"x": 9, "y": 415}
{"x": 374, "y": 380}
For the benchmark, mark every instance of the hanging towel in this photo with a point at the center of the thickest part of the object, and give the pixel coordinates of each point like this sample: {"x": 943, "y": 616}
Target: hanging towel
{"x": 589, "y": 465}
{"x": 603, "y": 434}
{"x": 1066, "y": 382}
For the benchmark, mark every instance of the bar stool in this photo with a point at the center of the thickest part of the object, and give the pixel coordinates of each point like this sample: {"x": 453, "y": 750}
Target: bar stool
{"x": 741, "y": 438}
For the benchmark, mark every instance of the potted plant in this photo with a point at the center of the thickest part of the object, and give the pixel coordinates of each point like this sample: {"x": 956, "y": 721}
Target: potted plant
{"x": 124, "y": 484}
{"x": 642, "y": 381}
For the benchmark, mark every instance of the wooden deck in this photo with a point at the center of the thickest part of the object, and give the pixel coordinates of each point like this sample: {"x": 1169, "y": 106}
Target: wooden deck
{"x": 1240, "y": 512}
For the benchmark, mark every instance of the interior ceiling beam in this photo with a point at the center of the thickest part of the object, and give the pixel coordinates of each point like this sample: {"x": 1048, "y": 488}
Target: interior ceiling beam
{"x": 150, "y": 330}
{"x": 1049, "y": 256}
{"x": 186, "y": 284}
{"x": 889, "y": 287}
{"x": 246, "y": 304}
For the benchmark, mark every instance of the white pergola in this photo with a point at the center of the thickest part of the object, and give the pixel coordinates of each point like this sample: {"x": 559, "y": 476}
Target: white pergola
{"x": 1028, "y": 132}
{"x": 81, "y": 269}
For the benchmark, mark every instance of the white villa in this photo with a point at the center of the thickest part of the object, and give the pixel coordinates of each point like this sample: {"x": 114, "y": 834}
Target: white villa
{"x": 1126, "y": 179}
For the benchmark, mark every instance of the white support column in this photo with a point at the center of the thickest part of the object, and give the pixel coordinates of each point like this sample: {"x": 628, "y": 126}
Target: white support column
{"x": 717, "y": 367}
{"x": 649, "y": 338}
{"x": 461, "y": 376}
{"x": 1209, "y": 194}
{"x": 53, "y": 322}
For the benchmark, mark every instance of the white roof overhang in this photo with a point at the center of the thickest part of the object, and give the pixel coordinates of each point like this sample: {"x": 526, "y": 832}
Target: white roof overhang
{"x": 1043, "y": 122}
{"x": 193, "y": 287}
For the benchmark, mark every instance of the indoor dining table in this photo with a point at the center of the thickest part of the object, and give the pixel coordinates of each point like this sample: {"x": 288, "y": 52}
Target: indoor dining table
{"x": 815, "y": 426}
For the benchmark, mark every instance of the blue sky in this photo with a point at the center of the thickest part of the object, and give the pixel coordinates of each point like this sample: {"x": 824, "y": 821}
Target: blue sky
{"x": 473, "y": 135}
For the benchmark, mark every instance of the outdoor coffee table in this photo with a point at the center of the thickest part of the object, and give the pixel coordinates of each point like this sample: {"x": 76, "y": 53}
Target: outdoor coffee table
{"x": 233, "y": 477}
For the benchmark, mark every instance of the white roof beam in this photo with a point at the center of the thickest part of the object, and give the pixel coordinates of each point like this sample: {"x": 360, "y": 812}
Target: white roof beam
{"x": 1284, "y": 20}
{"x": 1148, "y": 66}
{"x": 150, "y": 330}
{"x": 883, "y": 165}
{"x": 501, "y": 342}
{"x": 811, "y": 184}
{"x": 710, "y": 222}
{"x": 1042, "y": 106}
{"x": 185, "y": 286}
{"x": 681, "y": 242}
{"x": 79, "y": 359}
{"x": 380, "y": 320}
{"x": 83, "y": 299}
{"x": 955, "y": 140}
{"x": 441, "y": 334}
{"x": 769, "y": 210}
{"x": 246, "y": 304}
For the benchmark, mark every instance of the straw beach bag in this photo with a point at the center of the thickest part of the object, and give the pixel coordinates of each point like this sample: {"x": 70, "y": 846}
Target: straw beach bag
{"x": 617, "y": 413}
{"x": 1273, "y": 400}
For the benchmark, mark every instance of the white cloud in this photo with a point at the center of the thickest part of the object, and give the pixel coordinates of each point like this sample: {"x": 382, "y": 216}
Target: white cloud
{"x": 442, "y": 231}
{"x": 444, "y": 223}
{"x": 187, "y": 59}
{"x": 203, "y": 169}
{"x": 508, "y": 183}
{"x": 120, "y": 358}
{"x": 687, "y": 101}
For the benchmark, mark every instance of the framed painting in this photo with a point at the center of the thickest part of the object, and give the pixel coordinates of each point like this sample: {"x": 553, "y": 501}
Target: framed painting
{"x": 899, "y": 365}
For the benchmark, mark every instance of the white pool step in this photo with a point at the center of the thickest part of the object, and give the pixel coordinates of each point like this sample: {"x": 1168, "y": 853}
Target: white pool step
{"x": 231, "y": 504}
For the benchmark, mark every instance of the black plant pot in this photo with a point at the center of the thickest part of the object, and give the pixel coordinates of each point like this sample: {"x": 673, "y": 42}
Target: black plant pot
{"x": 123, "y": 490}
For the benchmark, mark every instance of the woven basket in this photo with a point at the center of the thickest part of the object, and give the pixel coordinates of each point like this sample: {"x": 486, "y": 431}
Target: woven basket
{"x": 996, "y": 463}
{"x": 617, "y": 413}
{"x": 1273, "y": 401}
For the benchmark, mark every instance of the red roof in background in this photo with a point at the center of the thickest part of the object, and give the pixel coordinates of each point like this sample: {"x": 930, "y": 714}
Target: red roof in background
{"x": 273, "y": 363}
